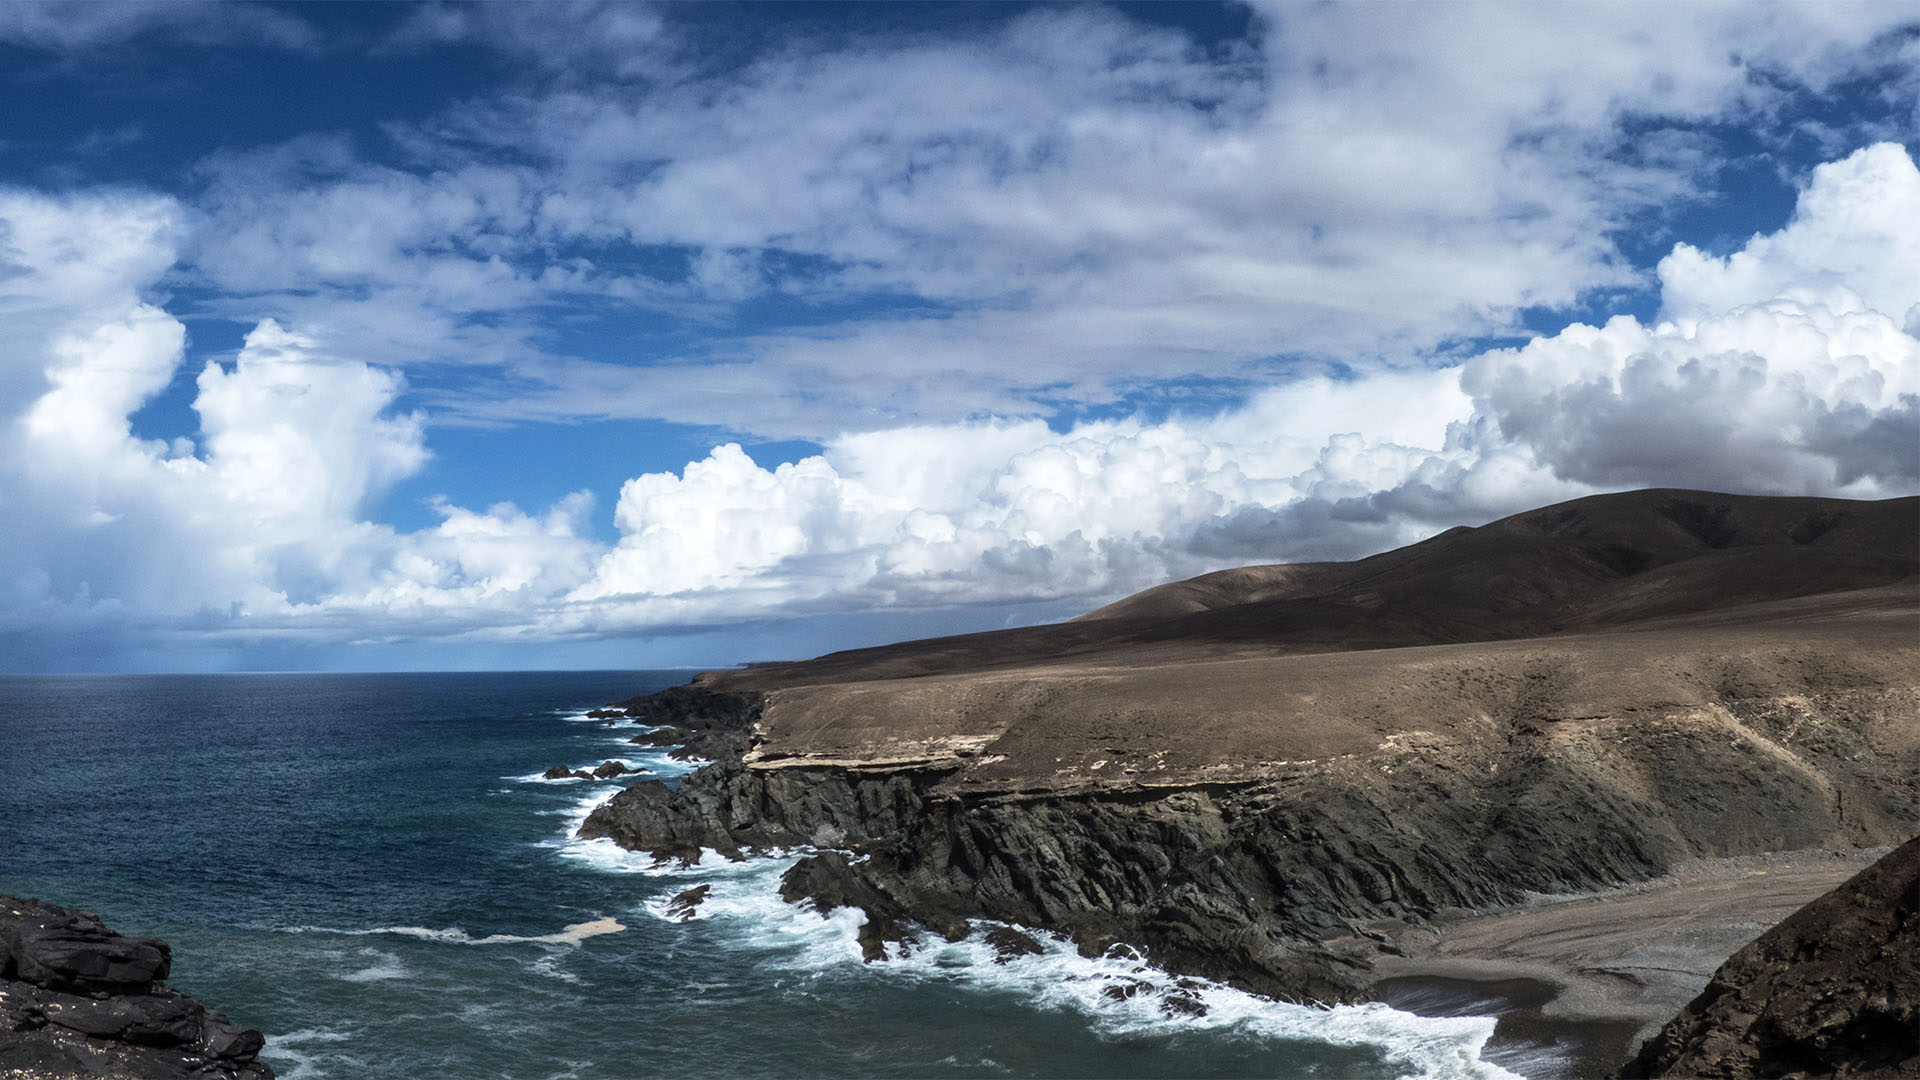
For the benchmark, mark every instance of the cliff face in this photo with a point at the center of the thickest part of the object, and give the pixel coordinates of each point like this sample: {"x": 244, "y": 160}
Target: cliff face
{"x": 1232, "y": 773}
{"x": 78, "y": 1000}
{"x": 1834, "y": 990}
{"x": 1241, "y": 879}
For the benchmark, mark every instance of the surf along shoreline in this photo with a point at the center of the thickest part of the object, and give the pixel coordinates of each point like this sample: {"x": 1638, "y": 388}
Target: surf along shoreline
{"x": 1575, "y": 980}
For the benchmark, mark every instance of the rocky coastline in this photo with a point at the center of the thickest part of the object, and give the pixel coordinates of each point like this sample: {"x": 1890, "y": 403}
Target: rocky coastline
{"x": 78, "y": 1000}
{"x": 1287, "y": 886}
{"x": 1281, "y": 777}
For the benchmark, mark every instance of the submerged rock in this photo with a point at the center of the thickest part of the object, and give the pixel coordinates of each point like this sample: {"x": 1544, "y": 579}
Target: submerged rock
{"x": 79, "y": 1000}
{"x": 1833, "y": 990}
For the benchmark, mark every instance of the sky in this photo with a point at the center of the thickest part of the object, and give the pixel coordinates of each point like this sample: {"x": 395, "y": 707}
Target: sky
{"x": 416, "y": 337}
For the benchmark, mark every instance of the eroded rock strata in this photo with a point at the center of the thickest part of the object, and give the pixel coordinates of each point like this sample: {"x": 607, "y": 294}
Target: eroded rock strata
{"x": 1242, "y": 881}
{"x": 1833, "y": 990}
{"x": 1255, "y": 775}
{"x": 79, "y": 1000}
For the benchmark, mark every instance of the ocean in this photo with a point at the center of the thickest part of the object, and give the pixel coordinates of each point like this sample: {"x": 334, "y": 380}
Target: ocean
{"x": 370, "y": 869}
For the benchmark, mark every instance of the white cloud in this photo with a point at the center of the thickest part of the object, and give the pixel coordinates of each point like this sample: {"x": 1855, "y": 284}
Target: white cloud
{"x": 64, "y": 26}
{"x": 1791, "y": 365}
{"x": 1087, "y": 204}
{"x": 1800, "y": 388}
{"x": 263, "y": 517}
{"x": 570, "y": 37}
{"x": 1843, "y": 235}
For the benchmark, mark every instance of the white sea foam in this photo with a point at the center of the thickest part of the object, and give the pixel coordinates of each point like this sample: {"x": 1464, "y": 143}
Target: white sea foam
{"x": 293, "y": 1058}
{"x": 658, "y": 764}
{"x": 1118, "y": 994}
{"x": 1122, "y": 995}
{"x": 549, "y": 966}
{"x": 385, "y": 966}
{"x": 575, "y": 815}
{"x": 574, "y": 934}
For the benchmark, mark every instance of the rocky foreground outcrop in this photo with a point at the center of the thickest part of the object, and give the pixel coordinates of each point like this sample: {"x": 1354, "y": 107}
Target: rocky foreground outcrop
{"x": 1257, "y": 776}
{"x": 1833, "y": 990}
{"x": 78, "y": 1000}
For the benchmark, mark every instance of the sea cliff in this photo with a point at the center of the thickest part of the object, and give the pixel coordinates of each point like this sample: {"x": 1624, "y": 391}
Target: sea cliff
{"x": 1257, "y": 880}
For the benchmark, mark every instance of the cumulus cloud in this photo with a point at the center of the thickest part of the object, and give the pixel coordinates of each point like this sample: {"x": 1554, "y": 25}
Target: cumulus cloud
{"x": 1011, "y": 511}
{"x": 263, "y": 516}
{"x": 1070, "y": 202}
{"x": 1790, "y": 365}
{"x": 1840, "y": 239}
{"x": 1794, "y": 384}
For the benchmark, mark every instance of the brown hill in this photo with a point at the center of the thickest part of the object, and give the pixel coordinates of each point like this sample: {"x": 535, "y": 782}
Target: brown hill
{"x": 1601, "y": 562}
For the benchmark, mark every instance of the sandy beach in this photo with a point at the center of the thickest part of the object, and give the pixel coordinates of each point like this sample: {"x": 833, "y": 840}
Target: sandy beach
{"x": 1579, "y": 980}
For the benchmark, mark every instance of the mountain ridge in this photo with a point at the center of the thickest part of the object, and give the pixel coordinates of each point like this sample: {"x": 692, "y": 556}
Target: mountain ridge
{"x": 1600, "y": 561}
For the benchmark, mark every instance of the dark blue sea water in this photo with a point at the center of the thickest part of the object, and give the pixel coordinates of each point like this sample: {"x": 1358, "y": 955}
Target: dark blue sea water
{"x": 367, "y": 868}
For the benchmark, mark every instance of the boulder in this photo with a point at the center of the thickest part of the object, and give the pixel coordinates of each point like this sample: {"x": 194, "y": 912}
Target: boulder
{"x": 79, "y": 1000}
{"x": 682, "y": 906}
{"x": 1009, "y": 944}
{"x": 72, "y": 951}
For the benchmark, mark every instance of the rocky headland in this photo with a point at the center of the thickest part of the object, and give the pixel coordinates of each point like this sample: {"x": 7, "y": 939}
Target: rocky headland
{"x": 78, "y": 1000}
{"x": 1277, "y": 776}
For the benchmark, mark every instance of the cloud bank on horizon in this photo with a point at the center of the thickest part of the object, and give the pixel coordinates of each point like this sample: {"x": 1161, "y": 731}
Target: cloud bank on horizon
{"x": 1042, "y": 309}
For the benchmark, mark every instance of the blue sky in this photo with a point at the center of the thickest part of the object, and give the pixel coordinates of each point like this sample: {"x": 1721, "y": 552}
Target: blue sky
{"x": 581, "y": 335}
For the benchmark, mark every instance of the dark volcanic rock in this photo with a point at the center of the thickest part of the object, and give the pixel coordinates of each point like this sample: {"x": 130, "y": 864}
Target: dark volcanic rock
{"x": 72, "y": 951}
{"x": 610, "y": 769}
{"x": 558, "y": 772}
{"x": 662, "y": 737}
{"x": 828, "y": 881}
{"x": 702, "y": 724}
{"x": 1833, "y": 990}
{"x": 1241, "y": 882}
{"x": 78, "y": 1000}
{"x": 1009, "y": 944}
{"x": 684, "y": 904}
{"x": 605, "y": 714}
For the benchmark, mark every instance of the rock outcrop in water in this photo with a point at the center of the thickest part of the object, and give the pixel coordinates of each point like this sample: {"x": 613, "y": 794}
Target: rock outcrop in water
{"x": 1834, "y": 990}
{"x": 1247, "y": 774}
{"x": 79, "y": 1000}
